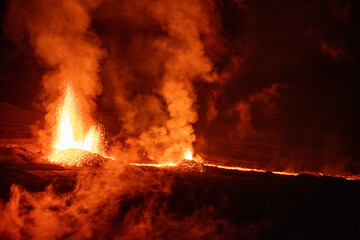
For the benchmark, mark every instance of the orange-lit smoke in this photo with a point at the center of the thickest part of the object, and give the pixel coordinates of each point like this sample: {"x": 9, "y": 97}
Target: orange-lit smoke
{"x": 98, "y": 208}
{"x": 60, "y": 34}
{"x": 77, "y": 214}
{"x": 265, "y": 100}
{"x": 148, "y": 75}
{"x": 157, "y": 112}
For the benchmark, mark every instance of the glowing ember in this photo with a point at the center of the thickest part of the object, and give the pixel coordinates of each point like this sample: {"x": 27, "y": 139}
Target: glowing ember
{"x": 71, "y": 133}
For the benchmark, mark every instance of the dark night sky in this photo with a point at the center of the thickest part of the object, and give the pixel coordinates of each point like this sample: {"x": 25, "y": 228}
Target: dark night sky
{"x": 310, "y": 48}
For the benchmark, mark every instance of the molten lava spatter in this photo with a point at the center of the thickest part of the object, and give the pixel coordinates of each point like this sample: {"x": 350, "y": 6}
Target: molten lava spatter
{"x": 71, "y": 133}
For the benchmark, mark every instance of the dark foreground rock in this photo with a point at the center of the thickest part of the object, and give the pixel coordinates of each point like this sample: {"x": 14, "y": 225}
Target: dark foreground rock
{"x": 160, "y": 203}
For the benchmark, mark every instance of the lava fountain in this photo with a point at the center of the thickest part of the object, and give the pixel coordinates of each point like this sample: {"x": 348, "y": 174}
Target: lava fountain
{"x": 74, "y": 143}
{"x": 188, "y": 155}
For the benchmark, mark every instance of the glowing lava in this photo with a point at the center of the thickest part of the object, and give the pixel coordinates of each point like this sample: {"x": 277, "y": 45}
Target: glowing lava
{"x": 188, "y": 155}
{"x": 71, "y": 132}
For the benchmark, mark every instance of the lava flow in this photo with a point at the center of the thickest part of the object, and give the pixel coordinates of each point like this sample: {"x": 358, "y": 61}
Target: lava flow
{"x": 189, "y": 161}
{"x": 73, "y": 143}
{"x": 188, "y": 157}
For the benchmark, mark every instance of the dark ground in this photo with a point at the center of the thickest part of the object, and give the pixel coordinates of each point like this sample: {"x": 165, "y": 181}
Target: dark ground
{"x": 252, "y": 205}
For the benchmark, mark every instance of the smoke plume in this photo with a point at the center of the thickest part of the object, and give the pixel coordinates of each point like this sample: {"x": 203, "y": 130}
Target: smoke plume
{"x": 155, "y": 54}
{"x": 264, "y": 101}
{"x": 61, "y": 37}
{"x": 150, "y": 77}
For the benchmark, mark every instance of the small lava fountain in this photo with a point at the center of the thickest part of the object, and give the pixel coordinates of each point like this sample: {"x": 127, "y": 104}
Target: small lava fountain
{"x": 74, "y": 145}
